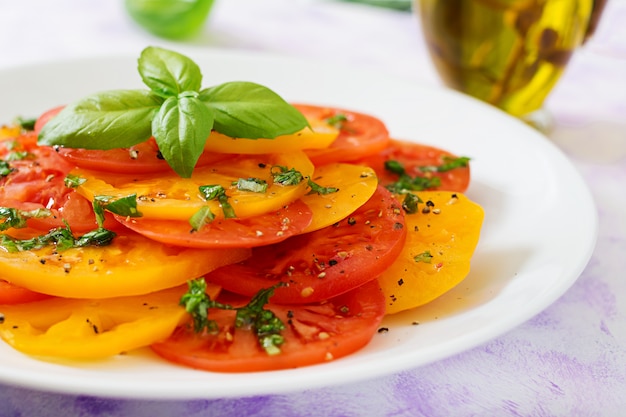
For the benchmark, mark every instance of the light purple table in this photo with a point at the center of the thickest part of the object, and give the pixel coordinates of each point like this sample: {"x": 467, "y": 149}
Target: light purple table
{"x": 570, "y": 360}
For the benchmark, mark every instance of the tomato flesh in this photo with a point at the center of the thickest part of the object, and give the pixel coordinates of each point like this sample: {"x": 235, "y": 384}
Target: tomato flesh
{"x": 227, "y": 233}
{"x": 322, "y": 264}
{"x": 93, "y": 328}
{"x": 439, "y": 247}
{"x": 360, "y": 134}
{"x": 130, "y": 265}
{"x": 415, "y": 158}
{"x": 314, "y": 333}
{"x": 12, "y": 294}
{"x": 167, "y": 196}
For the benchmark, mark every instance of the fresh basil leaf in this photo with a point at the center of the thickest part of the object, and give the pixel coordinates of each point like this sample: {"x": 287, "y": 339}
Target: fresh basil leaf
{"x": 181, "y": 128}
{"x": 168, "y": 73}
{"x": 107, "y": 120}
{"x": 252, "y": 111}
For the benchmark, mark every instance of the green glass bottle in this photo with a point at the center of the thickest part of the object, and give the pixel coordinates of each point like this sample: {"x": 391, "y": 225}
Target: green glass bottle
{"x": 171, "y": 19}
{"x": 509, "y": 53}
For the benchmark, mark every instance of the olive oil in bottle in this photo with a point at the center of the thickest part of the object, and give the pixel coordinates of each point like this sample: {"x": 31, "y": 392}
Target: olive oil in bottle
{"x": 509, "y": 53}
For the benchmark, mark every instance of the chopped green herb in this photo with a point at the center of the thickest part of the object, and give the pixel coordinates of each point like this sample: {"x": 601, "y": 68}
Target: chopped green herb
{"x": 61, "y": 237}
{"x": 255, "y": 185}
{"x": 264, "y": 322}
{"x": 318, "y": 189}
{"x": 14, "y": 218}
{"x": 337, "y": 121}
{"x": 5, "y": 168}
{"x": 17, "y": 156}
{"x": 98, "y": 237}
{"x": 201, "y": 218}
{"x": 286, "y": 176}
{"x": 26, "y": 124}
{"x": 217, "y": 192}
{"x": 253, "y": 316}
{"x": 406, "y": 183}
{"x": 394, "y": 167}
{"x": 423, "y": 257}
{"x": 410, "y": 203}
{"x": 449, "y": 163}
{"x": 197, "y": 303}
{"x": 123, "y": 206}
{"x": 73, "y": 181}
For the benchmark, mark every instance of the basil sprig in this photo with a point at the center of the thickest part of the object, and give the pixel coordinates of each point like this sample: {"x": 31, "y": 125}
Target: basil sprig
{"x": 175, "y": 110}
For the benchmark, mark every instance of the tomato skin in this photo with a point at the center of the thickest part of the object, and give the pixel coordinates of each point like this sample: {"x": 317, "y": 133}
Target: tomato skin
{"x": 93, "y": 328}
{"x": 141, "y": 158}
{"x": 317, "y": 136}
{"x": 227, "y": 233}
{"x": 314, "y": 334}
{"x": 361, "y": 135}
{"x": 448, "y": 231}
{"x": 324, "y": 263}
{"x": 12, "y": 294}
{"x": 37, "y": 181}
{"x": 167, "y": 196}
{"x": 413, "y": 156}
{"x": 45, "y": 117}
{"x": 355, "y": 184}
{"x": 130, "y": 265}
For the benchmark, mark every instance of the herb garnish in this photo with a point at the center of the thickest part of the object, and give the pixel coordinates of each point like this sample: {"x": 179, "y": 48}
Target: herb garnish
{"x": 5, "y": 168}
{"x": 217, "y": 192}
{"x": 337, "y": 121}
{"x": 321, "y": 190}
{"x": 449, "y": 163}
{"x": 252, "y": 316}
{"x": 410, "y": 203}
{"x": 255, "y": 185}
{"x": 73, "y": 181}
{"x": 15, "y": 218}
{"x": 425, "y": 257}
{"x": 62, "y": 237}
{"x": 286, "y": 176}
{"x": 406, "y": 183}
{"x": 175, "y": 110}
{"x": 201, "y": 218}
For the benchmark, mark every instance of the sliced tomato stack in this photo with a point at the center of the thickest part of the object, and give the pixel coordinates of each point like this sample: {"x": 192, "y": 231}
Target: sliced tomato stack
{"x": 322, "y": 242}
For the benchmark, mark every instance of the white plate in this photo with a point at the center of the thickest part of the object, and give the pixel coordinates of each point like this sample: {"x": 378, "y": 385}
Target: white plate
{"x": 539, "y": 231}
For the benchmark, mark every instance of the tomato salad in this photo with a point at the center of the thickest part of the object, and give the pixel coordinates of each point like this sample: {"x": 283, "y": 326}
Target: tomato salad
{"x": 223, "y": 228}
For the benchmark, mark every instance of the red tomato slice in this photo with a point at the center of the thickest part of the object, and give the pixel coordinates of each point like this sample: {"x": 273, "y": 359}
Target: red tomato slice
{"x": 327, "y": 262}
{"x": 45, "y": 117}
{"x": 12, "y": 294}
{"x": 314, "y": 333}
{"x": 141, "y": 158}
{"x": 36, "y": 180}
{"x": 414, "y": 157}
{"x": 360, "y": 134}
{"x": 227, "y": 233}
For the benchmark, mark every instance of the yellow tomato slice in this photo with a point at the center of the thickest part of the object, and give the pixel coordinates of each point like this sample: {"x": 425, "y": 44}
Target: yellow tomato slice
{"x": 168, "y": 196}
{"x": 441, "y": 238}
{"x": 130, "y": 265}
{"x": 318, "y": 136}
{"x": 7, "y": 132}
{"x": 93, "y": 328}
{"x": 355, "y": 183}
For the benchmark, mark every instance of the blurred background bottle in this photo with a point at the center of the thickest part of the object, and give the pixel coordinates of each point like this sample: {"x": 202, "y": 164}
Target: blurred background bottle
{"x": 171, "y": 19}
{"x": 509, "y": 53}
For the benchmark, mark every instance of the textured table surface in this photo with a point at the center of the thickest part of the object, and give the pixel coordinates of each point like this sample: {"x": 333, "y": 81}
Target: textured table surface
{"x": 570, "y": 360}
